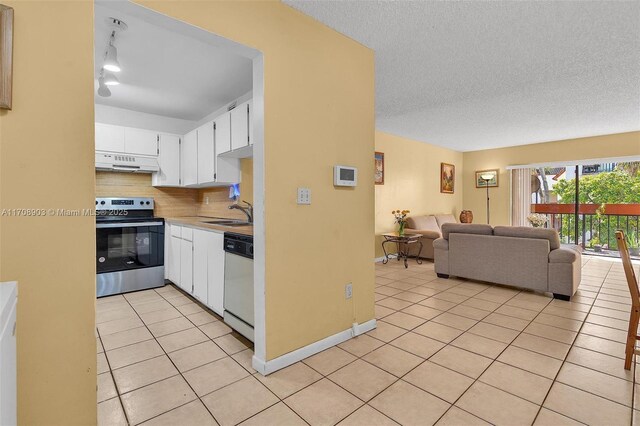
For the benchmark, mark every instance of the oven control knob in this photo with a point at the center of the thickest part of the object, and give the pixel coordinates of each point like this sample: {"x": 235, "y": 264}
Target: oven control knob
{"x": 141, "y": 202}
{"x": 102, "y": 202}
{"x": 96, "y": 202}
{"x": 147, "y": 203}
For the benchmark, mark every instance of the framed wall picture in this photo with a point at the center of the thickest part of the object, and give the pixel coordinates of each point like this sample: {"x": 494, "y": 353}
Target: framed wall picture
{"x": 6, "y": 55}
{"x": 482, "y": 175}
{"x": 379, "y": 168}
{"x": 447, "y": 178}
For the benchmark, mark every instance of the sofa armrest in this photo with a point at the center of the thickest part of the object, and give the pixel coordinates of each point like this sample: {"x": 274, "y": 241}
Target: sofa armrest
{"x": 441, "y": 244}
{"x": 441, "y": 256}
{"x": 426, "y": 233}
{"x": 563, "y": 255}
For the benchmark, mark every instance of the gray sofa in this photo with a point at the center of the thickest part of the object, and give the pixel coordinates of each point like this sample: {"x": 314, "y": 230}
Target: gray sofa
{"x": 429, "y": 227}
{"x": 518, "y": 256}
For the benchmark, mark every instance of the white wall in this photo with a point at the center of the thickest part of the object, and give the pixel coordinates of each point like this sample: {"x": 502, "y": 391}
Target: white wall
{"x": 141, "y": 120}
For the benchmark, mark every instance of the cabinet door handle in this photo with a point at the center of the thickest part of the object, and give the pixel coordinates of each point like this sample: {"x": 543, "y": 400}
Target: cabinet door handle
{"x": 15, "y": 323}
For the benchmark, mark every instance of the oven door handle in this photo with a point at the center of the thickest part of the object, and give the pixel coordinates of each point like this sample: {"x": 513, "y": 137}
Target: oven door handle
{"x": 127, "y": 225}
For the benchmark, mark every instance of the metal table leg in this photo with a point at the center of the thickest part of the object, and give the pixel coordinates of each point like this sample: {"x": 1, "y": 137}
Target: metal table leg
{"x": 386, "y": 256}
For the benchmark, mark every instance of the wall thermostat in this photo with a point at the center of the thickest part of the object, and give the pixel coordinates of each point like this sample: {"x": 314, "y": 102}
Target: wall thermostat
{"x": 345, "y": 176}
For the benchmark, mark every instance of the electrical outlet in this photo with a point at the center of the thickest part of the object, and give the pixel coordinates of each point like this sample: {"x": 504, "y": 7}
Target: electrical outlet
{"x": 348, "y": 291}
{"x": 206, "y": 200}
{"x": 304, "y": 196}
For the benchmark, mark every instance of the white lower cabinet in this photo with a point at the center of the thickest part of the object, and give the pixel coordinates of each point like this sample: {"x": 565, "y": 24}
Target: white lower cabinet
{"x": 186, "y": 266}
{"x": 195, "y": 262}
{"x": 200, "y": 254}
{"x": 215, "y": 272}
{"x": 173, "y": 264}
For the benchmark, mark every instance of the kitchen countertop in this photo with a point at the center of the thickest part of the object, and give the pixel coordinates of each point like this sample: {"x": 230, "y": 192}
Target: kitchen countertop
{"x": 199, "y": 222}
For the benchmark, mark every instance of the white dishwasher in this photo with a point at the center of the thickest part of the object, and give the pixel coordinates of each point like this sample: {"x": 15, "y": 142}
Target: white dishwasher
{"x": 238, "y": 283}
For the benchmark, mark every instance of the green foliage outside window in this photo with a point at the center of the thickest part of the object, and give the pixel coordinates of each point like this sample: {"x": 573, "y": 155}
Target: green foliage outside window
{"x": 621, "y": 186}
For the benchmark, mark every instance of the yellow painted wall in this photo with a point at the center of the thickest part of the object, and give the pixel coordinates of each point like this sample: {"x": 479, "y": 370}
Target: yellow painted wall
{"x": 47, "y": 162}
{"x": 617, "y": 145}
{"x": 319, "y": 111}
{"x": 412, "y": 181}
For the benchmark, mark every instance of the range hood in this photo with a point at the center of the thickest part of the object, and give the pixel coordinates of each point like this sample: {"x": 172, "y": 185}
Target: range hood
{"x": 126, "y": 163}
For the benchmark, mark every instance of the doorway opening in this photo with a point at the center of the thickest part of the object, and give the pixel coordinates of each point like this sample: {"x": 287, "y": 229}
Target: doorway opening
{"x": 170, "y": 100}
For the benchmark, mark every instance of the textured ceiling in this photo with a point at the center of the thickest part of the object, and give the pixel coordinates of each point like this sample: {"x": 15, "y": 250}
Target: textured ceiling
{"x": 477, "y": 75}
{"x": 164, "y": 71}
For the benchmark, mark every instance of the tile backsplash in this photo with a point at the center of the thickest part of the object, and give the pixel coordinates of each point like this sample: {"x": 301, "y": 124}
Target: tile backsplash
{"x": 169, "y": 202}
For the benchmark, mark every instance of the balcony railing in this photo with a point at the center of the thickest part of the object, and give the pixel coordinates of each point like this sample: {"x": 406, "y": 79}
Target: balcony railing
{"x": 597, "y": 224}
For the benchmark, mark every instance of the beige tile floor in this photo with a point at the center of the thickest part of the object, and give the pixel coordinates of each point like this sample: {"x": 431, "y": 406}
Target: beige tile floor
{"x": 446, "y": 352}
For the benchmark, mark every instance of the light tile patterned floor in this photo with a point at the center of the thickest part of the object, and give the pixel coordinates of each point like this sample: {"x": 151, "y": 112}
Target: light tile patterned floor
{"x": 446, "y": 352}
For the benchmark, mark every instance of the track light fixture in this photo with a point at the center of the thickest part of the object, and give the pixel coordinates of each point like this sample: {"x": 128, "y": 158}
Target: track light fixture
{"x": 111, "y": 56}
{"x": 111, "y": 63}
{"x": 110, "y": 79}
{"x": 103, "y": 90}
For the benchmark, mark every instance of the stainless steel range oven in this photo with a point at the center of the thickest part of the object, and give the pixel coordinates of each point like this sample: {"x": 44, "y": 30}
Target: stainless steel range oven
{"x": 129, "y": 245}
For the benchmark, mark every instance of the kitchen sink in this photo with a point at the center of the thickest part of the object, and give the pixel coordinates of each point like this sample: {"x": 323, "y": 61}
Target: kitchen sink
{"x": 229, "y": 222}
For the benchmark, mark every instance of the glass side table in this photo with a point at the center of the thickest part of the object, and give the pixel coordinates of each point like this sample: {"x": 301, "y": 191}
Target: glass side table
{"x": 403, "y": 243}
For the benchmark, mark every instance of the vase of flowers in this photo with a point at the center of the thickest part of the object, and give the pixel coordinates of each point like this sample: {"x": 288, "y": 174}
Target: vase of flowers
{"x": 401, "y": 220}
{"x": 537, "y": 220}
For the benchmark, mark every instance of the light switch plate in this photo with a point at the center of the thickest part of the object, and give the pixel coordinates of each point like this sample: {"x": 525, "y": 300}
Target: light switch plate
{"x": 304, "y": 196}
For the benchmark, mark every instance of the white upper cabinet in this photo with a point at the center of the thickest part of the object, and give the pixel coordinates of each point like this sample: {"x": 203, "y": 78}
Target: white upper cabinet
{"x": 223, "y": 133}
{"x": 109, "y": 138}
{"x": 141, "y": 142}
{"x": 168, "y": 161}
{"x": 206, "y": 154}
{"x": 240, "y": 126}
{"x": 190, "y": 158}
{"x": 126, "y": 140}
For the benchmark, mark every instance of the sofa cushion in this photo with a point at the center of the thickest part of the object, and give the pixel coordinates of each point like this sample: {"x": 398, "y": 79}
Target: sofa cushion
{"x": 564, "y": 255}
{"x": 424, "y": 223}
{"x": 426, "y": 233}
{"x": 465, "y": 228}
{"x": 528, "y": 232}
{"x": 445, "y": 218}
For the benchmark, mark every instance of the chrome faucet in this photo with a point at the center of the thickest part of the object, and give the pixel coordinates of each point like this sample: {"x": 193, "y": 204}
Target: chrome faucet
{"x": 246, "y": 210}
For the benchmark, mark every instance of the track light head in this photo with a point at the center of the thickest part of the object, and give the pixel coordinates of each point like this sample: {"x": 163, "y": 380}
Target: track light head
{"x": 103, "y": 90}
{"x": 111, "y": 59}
{"x": 110, "y": 79}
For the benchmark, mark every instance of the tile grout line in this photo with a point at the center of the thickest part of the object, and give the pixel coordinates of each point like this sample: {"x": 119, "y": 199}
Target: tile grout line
{"x": 189, "y": 384}
{"x": 115, "y": 386}
{"x": 227, "y": 355}
{"x": 175, "y": 366}
{"x": 229, "y": 384}
{"x": 521, "y": 332}
{"x": 555, "y": 380}
{"x": 530, "y": 322}
{"x": 465, "y": 331}
{"x": 475, "y": 380}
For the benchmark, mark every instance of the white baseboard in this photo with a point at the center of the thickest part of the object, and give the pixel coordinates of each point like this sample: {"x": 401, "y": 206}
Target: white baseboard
{"x": 268, "y": 367}
{"x": 378, "y": 259}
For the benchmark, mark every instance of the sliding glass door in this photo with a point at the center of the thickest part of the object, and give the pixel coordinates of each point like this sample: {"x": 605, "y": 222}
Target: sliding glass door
{"x": 588, "y": 203}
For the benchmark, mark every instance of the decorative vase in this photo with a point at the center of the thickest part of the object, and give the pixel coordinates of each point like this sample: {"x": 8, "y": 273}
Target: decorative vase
{"x": 401, "y": 228}
{"x": 466, "y": 216}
